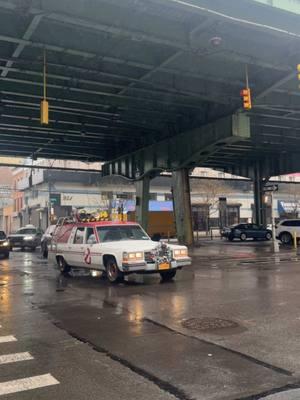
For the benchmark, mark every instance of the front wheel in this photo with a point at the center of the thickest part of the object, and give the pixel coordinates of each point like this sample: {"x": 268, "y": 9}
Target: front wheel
{"x": 243, "y": 237}
{"x": 286, "y": 238}
{"x": 63, "y": 266}
{"x": 113, "y": 273}
{"x": 268, "y": 236}
{"x": 168, "y": 275}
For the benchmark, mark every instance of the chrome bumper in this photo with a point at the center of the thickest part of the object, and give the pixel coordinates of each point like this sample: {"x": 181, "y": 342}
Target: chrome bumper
{"x": 152, "y": 267}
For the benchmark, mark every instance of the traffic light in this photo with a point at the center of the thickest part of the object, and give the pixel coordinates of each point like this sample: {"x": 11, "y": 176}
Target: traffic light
{"x": 246, "y": 95}
{"x": 298, "y": 72}
{"x": 44, "y": 112}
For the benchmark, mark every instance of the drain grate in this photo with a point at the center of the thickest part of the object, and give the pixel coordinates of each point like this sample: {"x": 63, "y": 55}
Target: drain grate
{"x": 206, "y": 324}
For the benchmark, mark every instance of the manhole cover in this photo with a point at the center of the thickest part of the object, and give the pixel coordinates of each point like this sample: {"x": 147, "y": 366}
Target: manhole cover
{"x": 205, "y": 324}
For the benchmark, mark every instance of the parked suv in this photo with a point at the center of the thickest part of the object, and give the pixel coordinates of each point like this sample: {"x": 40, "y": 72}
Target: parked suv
{"x": 28, "y": 237}
{"x": 285, "y": 230}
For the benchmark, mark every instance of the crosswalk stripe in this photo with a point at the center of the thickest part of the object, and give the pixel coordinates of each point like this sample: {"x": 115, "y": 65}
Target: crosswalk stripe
{"x": 21, "y": 385}
{"x": 16, "y": 357}
{"x": 6, "y": 339}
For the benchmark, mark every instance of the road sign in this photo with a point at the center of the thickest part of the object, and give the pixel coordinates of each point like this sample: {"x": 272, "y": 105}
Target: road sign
{"x": 55, "y": 199}
{"x": 271, "y": 188}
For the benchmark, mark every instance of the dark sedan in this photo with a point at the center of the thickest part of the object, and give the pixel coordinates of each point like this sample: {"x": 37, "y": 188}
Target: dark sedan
{"x": 246, "y": 231}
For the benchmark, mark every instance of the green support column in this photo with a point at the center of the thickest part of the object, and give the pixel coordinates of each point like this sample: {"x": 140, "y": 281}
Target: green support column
{"x": 182, "y": 206}
{"x": 142, "y": 201}
{"x": 258, "y": 195}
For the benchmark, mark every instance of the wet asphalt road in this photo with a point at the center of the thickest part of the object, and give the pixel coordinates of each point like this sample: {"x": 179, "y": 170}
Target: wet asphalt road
{"x": 80, "y": 338}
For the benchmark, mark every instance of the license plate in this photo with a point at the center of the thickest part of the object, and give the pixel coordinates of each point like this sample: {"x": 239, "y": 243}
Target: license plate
{"x": 164, "y": 266}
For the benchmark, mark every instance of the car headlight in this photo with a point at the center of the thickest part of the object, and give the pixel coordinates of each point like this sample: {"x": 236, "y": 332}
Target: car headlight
{"x": 28, "y": 238}
{"x": 138, "y": 256}
{"x": 180, "y": 253}
{"x": 6, "y": 243}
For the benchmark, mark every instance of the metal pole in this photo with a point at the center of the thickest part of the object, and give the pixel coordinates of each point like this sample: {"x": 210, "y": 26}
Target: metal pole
{"x": 274, "y": 241}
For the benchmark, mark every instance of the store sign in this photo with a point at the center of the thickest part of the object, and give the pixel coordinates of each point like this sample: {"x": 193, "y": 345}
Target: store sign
{"x": 288, "y": 207}
{"x": 83, "y": 200}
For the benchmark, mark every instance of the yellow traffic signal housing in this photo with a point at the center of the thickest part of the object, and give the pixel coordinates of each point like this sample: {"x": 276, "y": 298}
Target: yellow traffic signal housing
{"x": 246, "y": 95}
{"x": 44, "y": 112}
{"x": 298, "y": 70}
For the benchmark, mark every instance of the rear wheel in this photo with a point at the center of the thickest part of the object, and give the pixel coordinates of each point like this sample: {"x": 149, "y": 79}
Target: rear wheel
{"x": 168, "y": 275}
{"x": 6, "y": 255}
{"x": 63, "y": 266}
{"x": 286, "y": 238}
{"x": 268, "y": 236}
{"x": 243, "y": 237}
{"x": 113, "y": 273}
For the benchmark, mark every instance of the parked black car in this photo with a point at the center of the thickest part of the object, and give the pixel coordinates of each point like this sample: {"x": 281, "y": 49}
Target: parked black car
{"x": 4, "y": 245}
{"x": 28, "y": 237}
{"x": 246, "y": 231}
{"x": 46, "y": 239}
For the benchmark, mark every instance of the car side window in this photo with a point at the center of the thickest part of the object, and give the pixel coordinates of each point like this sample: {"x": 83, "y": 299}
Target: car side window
{"x": 291, "y": 223}
{"x": 79, "y": 235}
{"x": 90, "y": 237}
{"x": 255, "y": 227}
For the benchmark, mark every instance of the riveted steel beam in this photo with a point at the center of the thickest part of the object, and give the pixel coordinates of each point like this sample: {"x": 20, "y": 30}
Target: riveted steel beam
{"x": 182, "y": 151}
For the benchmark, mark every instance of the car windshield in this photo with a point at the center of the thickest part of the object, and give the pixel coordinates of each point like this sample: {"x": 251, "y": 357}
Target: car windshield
{"x": 2, "y": 235}
{"x": 26, "y": 231}
{"x": 118, "y": 233}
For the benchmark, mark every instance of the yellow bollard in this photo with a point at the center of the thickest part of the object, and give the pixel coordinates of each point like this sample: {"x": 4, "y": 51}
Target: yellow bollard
{"x": 295, "y": 240}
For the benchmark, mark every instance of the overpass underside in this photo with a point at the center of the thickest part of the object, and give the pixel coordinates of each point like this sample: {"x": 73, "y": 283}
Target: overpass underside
{"x": 153, "y": 85}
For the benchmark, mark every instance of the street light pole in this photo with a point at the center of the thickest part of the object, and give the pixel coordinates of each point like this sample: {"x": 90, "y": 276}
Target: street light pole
{"x": 274, "y": 241}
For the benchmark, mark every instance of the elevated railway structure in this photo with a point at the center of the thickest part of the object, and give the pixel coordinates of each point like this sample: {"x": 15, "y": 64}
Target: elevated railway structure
{"x": 152, "y": 85}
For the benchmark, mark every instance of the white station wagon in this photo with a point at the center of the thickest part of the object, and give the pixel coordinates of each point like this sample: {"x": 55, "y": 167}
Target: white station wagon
{"x": 117, "y": 248}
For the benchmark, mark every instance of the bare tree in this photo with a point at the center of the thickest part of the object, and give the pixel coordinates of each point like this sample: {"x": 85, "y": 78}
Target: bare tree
{"x": 209, "y": 192}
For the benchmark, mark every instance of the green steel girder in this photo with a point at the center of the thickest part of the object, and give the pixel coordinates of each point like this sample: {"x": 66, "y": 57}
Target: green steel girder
{"x": 271, "y": 165}
{"x": 185, "y": 150}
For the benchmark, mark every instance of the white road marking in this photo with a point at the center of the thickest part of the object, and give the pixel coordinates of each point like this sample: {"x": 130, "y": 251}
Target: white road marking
{"x": 21, "y": 385}
{"x": 16, "y": 357}
{"x": 6, "y": 339}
